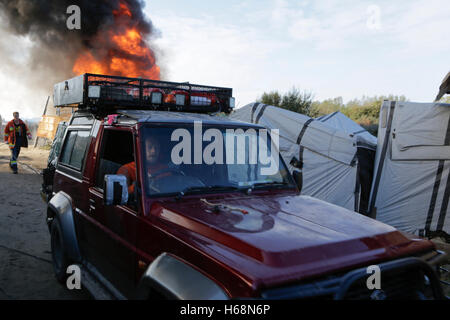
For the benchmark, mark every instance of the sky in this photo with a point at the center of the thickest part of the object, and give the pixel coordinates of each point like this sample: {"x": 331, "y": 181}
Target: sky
{"x": 346, "y": 48}
{"x": 332, "y": 48}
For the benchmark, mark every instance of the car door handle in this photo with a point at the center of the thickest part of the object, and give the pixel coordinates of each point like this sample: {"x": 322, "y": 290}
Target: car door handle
{"x": 91, "y": 205}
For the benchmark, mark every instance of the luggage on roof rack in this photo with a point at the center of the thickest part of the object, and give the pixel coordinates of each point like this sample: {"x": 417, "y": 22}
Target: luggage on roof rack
{"x": 103, "y": 94}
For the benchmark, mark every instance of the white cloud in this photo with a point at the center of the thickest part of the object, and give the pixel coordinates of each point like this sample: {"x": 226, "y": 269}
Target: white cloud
{"x": 304, "y": 29}
{"x": 341, "y": 24}
{"x": 284, "y": 12}
{"x": 205, "y": 51}
{"x": 328, "y": 47}
{"x": 422, "y": 24}
{"x": 332, "y": 26}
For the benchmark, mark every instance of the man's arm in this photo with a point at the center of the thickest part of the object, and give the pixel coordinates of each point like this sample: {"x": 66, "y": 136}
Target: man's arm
{"x": 27, "y": 131}
{"x": 124, "y": 170}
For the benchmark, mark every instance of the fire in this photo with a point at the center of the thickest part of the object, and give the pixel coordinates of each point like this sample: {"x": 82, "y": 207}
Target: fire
{"x": 119, "y": 50}
{"x": 130, "y": 42}
{"x": 123, "y": 10}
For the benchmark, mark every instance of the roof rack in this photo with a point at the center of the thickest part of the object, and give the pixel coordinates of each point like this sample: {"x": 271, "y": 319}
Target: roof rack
{"x": 103, "y": 94}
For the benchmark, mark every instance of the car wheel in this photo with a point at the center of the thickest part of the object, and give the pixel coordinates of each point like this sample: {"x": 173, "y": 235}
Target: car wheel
{"x": 60, "y": 259}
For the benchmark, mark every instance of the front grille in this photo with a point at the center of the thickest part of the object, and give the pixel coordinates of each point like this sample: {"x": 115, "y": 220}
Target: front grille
{"x": 406, "y": 279}
{"x": 398, "y": 284}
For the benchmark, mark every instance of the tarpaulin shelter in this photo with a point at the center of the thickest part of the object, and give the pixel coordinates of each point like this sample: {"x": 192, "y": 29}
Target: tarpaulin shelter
{"x": 327, "y": 157}
{"x": 411, "y": 187}
{"x": 340, "y": 121}
{"x": 367, "y": 145}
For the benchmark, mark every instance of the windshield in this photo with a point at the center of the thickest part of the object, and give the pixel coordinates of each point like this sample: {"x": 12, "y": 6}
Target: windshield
{"x": 205, "y": 159}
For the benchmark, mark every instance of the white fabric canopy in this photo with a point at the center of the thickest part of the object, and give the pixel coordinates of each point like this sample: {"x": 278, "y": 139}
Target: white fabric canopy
{"x": 328, "y": 154}
{"x": 411, "y": 185}
{"x": 340, "y": 121}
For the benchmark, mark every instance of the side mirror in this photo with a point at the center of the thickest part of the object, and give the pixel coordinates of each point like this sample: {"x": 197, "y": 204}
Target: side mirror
{"x": 115, "y": 190}
{"x": 298, "y": 178}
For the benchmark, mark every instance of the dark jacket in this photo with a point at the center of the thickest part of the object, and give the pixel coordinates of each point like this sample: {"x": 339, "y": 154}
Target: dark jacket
{"x": 10, "y": 134}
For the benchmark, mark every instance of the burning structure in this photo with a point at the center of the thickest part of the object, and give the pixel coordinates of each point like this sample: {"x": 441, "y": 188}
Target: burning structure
{"x": 113, "y": 38}
{"x": 119, "y": 48}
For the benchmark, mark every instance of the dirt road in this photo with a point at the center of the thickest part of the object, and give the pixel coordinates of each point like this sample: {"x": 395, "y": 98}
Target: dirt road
{"x": 25, "y": 258}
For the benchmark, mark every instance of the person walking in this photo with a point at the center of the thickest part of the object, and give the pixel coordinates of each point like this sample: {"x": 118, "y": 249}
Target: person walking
{"x": 16, "y": 134}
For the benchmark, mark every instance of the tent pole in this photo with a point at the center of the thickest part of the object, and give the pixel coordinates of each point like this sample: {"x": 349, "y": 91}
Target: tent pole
{"x": 43, "y": 114}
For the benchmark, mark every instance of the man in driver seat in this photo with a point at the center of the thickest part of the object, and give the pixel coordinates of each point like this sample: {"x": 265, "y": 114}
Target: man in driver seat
{"x": 152, "y": 154}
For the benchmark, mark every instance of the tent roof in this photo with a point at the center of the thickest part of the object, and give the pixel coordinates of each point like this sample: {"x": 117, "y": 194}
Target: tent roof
{"x": 340, "y": 121}
{"x": 318, "y": 137}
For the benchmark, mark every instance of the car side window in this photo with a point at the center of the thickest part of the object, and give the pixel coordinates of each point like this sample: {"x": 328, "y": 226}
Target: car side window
{"x": 68, "y": 147}
{"x": 74, "y": 149}
{"x": 117, "y": 150}
{"x": 85, "y": 120}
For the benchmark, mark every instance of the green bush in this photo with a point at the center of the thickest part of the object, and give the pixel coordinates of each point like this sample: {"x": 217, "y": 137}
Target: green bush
{"x": 293, "y": 100}
{"x": 364, "y": 111}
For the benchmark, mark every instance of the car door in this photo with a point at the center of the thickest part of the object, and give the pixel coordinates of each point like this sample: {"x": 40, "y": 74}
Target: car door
{"x": 111, "y": 231}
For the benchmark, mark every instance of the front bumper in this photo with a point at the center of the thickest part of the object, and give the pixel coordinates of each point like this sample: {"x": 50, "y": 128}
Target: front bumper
{"x": 412, "y": 278}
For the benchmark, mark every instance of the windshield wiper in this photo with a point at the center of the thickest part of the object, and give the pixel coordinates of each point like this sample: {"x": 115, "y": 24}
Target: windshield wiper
{"x": 272, "y": 184}
{"x": 195, "y": 189}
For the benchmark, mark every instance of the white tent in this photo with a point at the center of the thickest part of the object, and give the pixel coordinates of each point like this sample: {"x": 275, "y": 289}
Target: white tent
{"x": 411, "y": 186}
{"x": 340, "y": 121}
{"x": 367, "y": 145}
{"x": 326, "y": 156}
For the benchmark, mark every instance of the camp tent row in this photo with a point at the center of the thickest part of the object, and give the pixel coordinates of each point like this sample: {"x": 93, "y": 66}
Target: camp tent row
{"x": 332, "y": 156}
{"x": 404, "y": 183}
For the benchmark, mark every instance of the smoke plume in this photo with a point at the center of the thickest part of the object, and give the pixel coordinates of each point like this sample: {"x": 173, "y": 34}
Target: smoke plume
{"x": 113, "y": 39}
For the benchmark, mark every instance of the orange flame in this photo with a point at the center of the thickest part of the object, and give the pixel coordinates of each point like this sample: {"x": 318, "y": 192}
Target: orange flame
{"x": 123, "y": 10}
{"x": 120, "y": 50}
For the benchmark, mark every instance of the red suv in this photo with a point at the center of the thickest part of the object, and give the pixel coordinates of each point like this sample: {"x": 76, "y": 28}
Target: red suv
{"x": 159, "y": 204}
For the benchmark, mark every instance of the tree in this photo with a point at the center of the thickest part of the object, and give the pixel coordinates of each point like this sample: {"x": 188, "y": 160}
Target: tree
{"x": 365, "y": 111}
{"x": 294, "y": 100}
{"x": 445, "y": 99}
{"x": 327, "y": 106}
{"x": 272, "y": 98}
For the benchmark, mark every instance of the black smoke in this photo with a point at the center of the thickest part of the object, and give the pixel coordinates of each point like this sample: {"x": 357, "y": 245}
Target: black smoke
{"x": 45, "y": 20}
{"x": 52, "y": 48}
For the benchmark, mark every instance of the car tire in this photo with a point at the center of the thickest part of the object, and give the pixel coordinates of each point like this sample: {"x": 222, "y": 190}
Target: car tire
{"x": 60, "y": 260}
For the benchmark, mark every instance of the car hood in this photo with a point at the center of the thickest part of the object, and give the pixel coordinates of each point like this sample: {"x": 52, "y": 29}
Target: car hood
{"x": 284, "y": 236}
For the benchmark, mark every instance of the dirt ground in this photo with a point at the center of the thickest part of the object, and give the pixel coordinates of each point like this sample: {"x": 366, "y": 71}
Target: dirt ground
{"x": 25, "y": 258}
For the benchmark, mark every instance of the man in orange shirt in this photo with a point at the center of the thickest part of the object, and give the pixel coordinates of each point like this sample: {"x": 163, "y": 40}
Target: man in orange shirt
{"x": 152, "y": 152}
{"x": 129, "y": 171}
